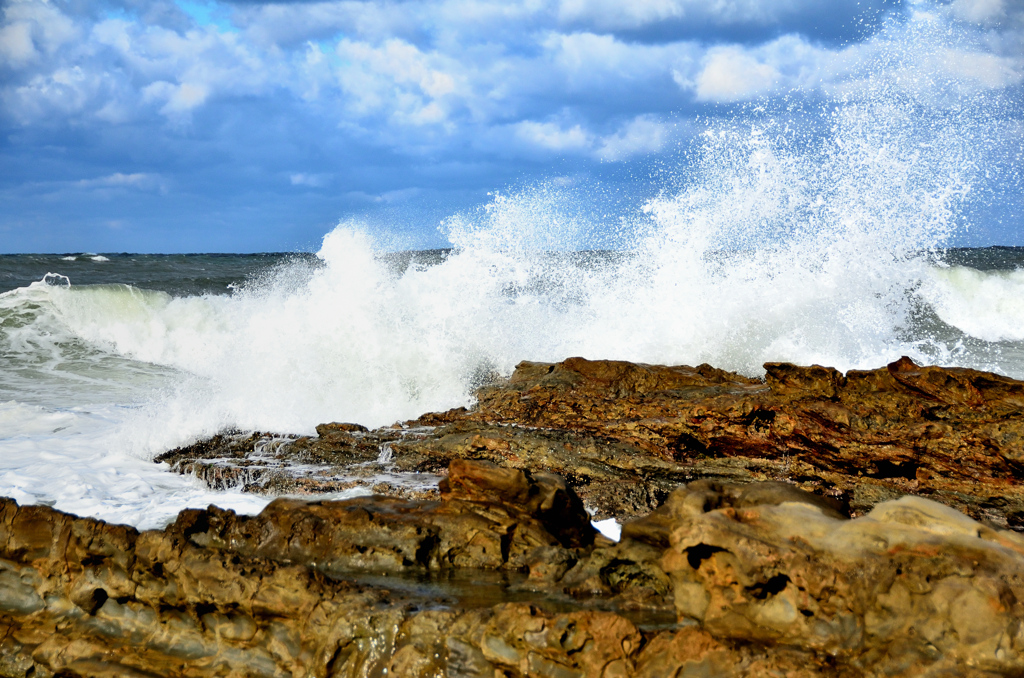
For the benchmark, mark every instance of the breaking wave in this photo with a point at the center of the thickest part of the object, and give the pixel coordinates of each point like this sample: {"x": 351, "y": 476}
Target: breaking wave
{"x": 770, "y": 241}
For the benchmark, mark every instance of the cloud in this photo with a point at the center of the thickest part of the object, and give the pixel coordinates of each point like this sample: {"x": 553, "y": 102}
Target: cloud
{"x": 137, "y": 180}
{"x": 16, "y": 44}
{"x": 178, "y": 99}
{"x": 33, "y": 28}
{"x": 644, "y": 135}
{"x": 411, "y": 86}
{"x": 104, "y": 187}
{"x": 454, "y": 96}
{"x": 311, "y": 180}
{"x": 732, "y": 74}
{"x": 987, "y": 71}
{"x": 979, "y": 11}
{"x": 551, "y": 136}
{"x": 592, "y": 61}
{"x": 685, "y": 15}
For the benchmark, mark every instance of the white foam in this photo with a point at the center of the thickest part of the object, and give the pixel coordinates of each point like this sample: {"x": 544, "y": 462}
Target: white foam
{"x": 988, "y": 305}
{"x": 63, "y": 459}
{"x": 610, "y": 528}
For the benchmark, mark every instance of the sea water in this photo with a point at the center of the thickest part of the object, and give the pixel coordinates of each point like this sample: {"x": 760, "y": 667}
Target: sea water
{"x": 821, "y": 242}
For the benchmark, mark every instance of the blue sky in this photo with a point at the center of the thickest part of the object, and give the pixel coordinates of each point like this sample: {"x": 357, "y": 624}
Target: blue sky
{"x": 165, "y": 126}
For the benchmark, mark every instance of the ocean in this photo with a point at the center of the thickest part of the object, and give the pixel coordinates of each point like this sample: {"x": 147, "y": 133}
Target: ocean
{"x": 813, "y": 233}
{"x": 108, "y": 360}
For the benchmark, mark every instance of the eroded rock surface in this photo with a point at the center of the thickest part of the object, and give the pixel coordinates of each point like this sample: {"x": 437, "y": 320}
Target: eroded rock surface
{"x": 279, "y": 594}
{"x": 760, "y": 579}
{"x": 912, "y": 585}
{"x": 625, "y": 435}
{"x": 954, "y": 435}
{"x": 807, "y": 524}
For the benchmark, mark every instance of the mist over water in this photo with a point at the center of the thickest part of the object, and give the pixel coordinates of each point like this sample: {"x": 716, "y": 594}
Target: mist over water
{"x": 803, "y": 232}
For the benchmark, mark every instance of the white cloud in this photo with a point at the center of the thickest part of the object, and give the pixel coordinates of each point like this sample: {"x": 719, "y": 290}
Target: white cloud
{"x": 31, "y": 27}
{"x": 178, "y": 99}
{"x": 641, "y": 136}
{"x": 427, "y": 76}
{"x": 311, "y": 180}
{"x": 727, "y": 74}
{"x": 65, "y": 91}
{"x": 412, "y": 86}
{"x": 979, "y": 11}
{"x": 138, "y": 180}
{"x": 553, "y": 137}
{"x": 589, "y": 61}
{"x": 733, "y": 74}
{"x": 16, "y": 45}
{"x": 293, "y": 23}
{"x": 987, "y": 70}
{"x": 615, "y": 14}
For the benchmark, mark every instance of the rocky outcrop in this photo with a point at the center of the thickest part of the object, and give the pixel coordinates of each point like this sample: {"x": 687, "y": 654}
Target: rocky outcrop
{"x": 954, "y": 435}
{"x": 723, "y": 580}
{"x": 625, "y": 435}
{"x": 913, "y": 586}
{"x": 809, "y": 523}
{"x": 285, "y": 592}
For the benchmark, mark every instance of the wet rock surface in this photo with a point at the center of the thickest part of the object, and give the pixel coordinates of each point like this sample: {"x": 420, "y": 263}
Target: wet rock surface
{"x": 807, "y": 524}
{"x": 297, "y": 590}
{"x": 624, "y": 435}
{"x": 503, "y": 576}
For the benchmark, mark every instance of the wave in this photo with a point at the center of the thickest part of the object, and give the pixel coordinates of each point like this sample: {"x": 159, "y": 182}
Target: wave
{"x": 356, "y": 340}
{"x": 768, "y": 243}
{"x": 987, "y": 305}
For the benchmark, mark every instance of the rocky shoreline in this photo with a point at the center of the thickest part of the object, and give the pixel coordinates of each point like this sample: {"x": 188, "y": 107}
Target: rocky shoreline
{"x": 807, "y": 524}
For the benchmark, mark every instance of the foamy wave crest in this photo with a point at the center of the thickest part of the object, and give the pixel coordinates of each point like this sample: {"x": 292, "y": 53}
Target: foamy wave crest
{"x": 988, "y": 305}
{"x": 353, "y": 340}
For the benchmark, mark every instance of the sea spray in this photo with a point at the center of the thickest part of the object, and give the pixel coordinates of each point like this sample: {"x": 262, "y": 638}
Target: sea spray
{"x": 776, "y": 242}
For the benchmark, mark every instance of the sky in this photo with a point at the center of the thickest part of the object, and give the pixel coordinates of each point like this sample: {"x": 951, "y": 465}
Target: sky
{"x": 248, "y": 126}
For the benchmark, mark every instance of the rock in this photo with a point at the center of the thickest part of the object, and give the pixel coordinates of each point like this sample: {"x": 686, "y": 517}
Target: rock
{"x": 342, "y": 458}
{"x": 221, "y": 594}
{"x": 758, "y": 580}
{"x": 482, "y": 560}
{"x": 911, "y": 588}
{"x": 780, "y": 526}
{"x": 543, "y": 496}
{"x": 488, "y": 517}
{"x": 624, "y": 435}
{"x": 953, "y": 435}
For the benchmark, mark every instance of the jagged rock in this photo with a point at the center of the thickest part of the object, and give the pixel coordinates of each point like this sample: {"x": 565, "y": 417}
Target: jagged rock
{"x": 913, "y": 587}
{"x": 624, "y": 435}
{"x": 762, "y": 580}
{"x": 954, "y": 435}
{"x": 488, "y": 517}
{"x": 729, "y": 569}
{"x": 219, "y": 594}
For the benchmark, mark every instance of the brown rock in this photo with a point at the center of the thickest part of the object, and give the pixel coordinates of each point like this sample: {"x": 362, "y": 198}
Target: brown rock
{"x": 759, "y": 579}
{"x": 953, "y": 435}
{"x": 913, "y": 585}
{"x": 221, "y": 594}
{"x": 624, "y": 435}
